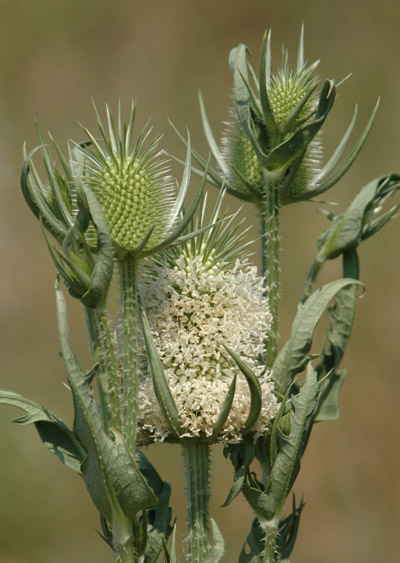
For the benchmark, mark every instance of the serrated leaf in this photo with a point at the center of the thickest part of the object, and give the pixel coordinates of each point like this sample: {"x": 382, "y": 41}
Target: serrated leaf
{"x": 341, "y": 317}
{"x": 294, "y": 356}
{"x": 112, "y": 477}
{"x": 55, "y": 435}
{"x": 287, "y": 463}
{"x": 268, "y": 503}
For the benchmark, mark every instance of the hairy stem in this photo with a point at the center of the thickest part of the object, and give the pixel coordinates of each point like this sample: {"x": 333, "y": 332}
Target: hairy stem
{"x": 197, "y": 466}
{"x": 105, "y": 353}
{"x": 129, "y": 349}
{"x": 270, "y": 262}
{"x": 271, "y": 531}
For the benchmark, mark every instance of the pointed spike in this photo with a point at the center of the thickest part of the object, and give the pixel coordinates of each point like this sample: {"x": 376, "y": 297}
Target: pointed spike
{"x": 300, "y": 52}
{"x": 183, "y": 188}
{"x": 161, "y": 388}
{"x": 211, "y": 139}
{"x": 254, "y": 387}
{"x": 329, "y": 182}
{"x": 225, "y": 409}
{"x": 339, "y": 150}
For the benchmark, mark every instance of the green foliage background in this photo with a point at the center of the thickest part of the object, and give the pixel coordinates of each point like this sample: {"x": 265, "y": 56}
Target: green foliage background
{"x": 57, "y": 54}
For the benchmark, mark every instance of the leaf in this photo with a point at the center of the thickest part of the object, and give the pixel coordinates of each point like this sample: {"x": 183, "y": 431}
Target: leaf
{"x": 285, "y": 153}
{"x": 288, "y": 528}
{"x": 254, "y": 387}
{"x": 159, "y": 517}
{"x": 217, "y": 551}
{"x": 241, "y": 96}
{"x": 328, "y": 408}
{"x": 112, "y": 477}
{"x": 268, "y": 503}
{"x": 104, "y": 266}
{"x": 55, "y": 435}
{"x": 294, "y": 356}
{"x": 241, "y": 457}
{"x": 161, "y": 388}
{"x": 255, "y": 541}
{"x": 341, "y": 317}
{"x": 225, "y": 410}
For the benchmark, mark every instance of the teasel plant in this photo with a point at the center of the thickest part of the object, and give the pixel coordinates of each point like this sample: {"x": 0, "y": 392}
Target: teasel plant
{"x": 271, "y": 156}
{"x": 193, "y": 357}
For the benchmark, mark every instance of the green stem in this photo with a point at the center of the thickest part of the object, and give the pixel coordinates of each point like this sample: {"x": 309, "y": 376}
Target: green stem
{"x": 197, "y": 466}
{"x": 105, "y": 353}
{"x": 123, "y": 545}
{"x": 315, "y": 269}
{"x": 271, "y": 532}
{"x": 129, "y": 327}
{"x": 270, "y": 262}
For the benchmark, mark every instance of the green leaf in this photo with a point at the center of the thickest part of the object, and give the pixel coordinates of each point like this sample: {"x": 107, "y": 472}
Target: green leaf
{"x": 225, "y": 410}
{"x": 294, "y": 356}
{"x": 265, "y": 61}
{"x": 255, "y": 541}
{"x": 285, "y": 153}
{"x": 268, "y": 503}
{"x": 241, "y": 457}
{"x": 324, "y": 183}
{"x": 329, "y": 401}
{"x": 158, "y": 518}
{"x": 161, "y": 388}
{"x": 341, "y": 318}
{"x": 288, "y": 528}
{"x": 112, "y": 477}
{"x": 254, "y": 387}
{"x": 104, "y": 266}
{"x": 55, "y": 435}
{"x": 217, "y": 551}
{"x": 241, "y": 96}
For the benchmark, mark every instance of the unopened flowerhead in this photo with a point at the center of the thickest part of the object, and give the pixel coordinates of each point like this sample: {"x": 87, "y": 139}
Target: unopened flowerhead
{"x": 283, "y": 104}
{"x": 132, "y": 183}
{"x": 195, "y": 309}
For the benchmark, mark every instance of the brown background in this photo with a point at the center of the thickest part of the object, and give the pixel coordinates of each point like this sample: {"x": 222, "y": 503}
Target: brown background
{"x": 55, "y": 55}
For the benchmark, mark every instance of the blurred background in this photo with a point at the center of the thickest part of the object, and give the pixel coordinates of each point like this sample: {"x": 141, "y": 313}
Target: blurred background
{"x": 55, "y": 56}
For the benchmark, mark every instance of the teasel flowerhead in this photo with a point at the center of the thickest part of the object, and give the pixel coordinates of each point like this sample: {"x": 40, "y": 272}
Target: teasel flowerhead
{"x": 72, "y": 222}
{"x": 206, "y": 321}
{"x": 132, "y": 182}
{"x": 273, "y": 139}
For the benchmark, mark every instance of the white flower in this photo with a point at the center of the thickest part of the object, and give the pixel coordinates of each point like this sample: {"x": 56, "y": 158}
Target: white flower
{"x": 193, "y": 308}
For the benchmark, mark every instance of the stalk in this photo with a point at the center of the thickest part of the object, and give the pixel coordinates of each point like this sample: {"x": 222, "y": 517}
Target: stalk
{"x": 271, "y": 531}
{"x": 316, "y": 267}
{"x": 129, "y": 349}
{"x": 197, "y": 467}
{"x": 270, "y": 256}
{"x": 123, "y": 545}
{"x": 105, "y": 353}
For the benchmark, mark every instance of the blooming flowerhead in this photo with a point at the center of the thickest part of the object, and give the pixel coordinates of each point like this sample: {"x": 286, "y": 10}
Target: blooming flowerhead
{"x": 198, "y": 307}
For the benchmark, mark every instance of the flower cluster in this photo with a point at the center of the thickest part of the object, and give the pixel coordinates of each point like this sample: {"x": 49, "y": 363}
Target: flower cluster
{"x": 193, "y": 310}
